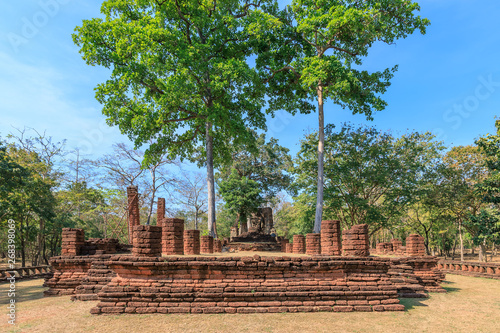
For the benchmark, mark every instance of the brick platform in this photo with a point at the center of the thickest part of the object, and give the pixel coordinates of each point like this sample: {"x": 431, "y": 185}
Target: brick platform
{"x": 248, "y": 285}
{"x": 172, "y": 236}
{"x": 191, "y": 242}
{"x": 330, "y": 238}
{"x": 98, "y": 275}
{"x": 313, "y": 244}
{"x": 355, "y": 241}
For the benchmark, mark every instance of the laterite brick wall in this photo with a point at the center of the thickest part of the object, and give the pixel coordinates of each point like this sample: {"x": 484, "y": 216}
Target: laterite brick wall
{"x": 248, "y": 285}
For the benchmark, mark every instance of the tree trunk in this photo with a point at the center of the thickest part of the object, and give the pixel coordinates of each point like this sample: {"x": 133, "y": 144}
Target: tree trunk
{"x": 461, "y": 241}
{"x": 482, "y": 252}
{"x": 321, "y": 150}
{"x": 212, "y": 227}
{"x": 454, "y": 247}
{"x": 196, "y": 219}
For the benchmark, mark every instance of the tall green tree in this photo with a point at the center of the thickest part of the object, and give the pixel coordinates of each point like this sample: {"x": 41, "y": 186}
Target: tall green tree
{"x": 371, "y": 176}
{"x": 339, "y": 35}
{"x": 180, "y": 75}
{"x": 265, "y": 162}
{"x": 242, "y": 196}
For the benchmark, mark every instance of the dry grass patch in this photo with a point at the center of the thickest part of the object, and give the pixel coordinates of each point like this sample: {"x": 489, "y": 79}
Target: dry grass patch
{"x": 471, "y": 305}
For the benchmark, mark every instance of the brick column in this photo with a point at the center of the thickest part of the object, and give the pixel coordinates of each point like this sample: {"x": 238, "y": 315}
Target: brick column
{"x": 207, "y": 244}
{"x": 299, "y": 244}
{"x": 217, "y": 245}
{"x": 160, "y": 212}
{"x": 330, "y": 238}
{"x": 191, "y": 242}
{"x": 283, "y": 243}
{"x": 313, "y": 244}
{"x": 355, "y": 241}
{"x": 147, "y": 241}
{"x": 172, "y": 236}
{"x": 133, "y": 211}
{"x": 396, "y": 244}
{"x": 415, "y": 245}
{"x": 72, "y": 241}
{"x": 289, "y": 247}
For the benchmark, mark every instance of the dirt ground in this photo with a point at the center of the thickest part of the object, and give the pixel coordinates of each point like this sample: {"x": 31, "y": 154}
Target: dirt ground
{"x": 471, "y": 305}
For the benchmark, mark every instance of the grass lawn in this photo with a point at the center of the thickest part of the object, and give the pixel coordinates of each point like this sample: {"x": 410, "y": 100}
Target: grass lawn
{"x": 471, "y": 305}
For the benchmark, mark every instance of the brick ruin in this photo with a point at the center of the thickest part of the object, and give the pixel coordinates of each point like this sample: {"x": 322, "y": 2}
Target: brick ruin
{"x": 355, "y": 241}
{"x": 331, "y": 243}
{"x": 475, "y": 269}
{"x": 181, "y": 281}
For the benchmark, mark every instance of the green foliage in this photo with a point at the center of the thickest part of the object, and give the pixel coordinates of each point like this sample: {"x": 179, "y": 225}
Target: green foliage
{"x": 266, "y": 163}
{"x": 486, "y": 226}
{"x": 370, "y": 176}
{"x": 177, "y": 66}
{"x": 242, "y": 195}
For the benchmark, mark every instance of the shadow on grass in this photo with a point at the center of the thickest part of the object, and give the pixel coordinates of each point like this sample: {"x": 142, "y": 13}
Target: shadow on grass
{"x": 445, "y": 284}
{"x": 411, "y": 303}
{"x": 23, "y": 293}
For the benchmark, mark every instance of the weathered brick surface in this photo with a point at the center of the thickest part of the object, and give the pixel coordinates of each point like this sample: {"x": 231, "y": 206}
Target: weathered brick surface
{"x": 160, "y": 212}
{"x": 207, "y": 244}
{"x": 384, "y": 248}
{"x": 289, "y": 247}
{"x": 331, "y": 238}
{"x": 69, "y": 271}
{"x": 72, "y": 241}
{"x": 248, "y": 285}
{"x": 415, "y": 245}
{"x": 133, "y": 211}
{"x": 172, "y": 236}
{"x": 355, "y": 241}
{"x": 475, "y": 269}
{"x": 283, "y": 243}
{"x": 98, "y": 275}
{"x": 396, "y": 246}
{"x": 313, "y": 244}
{"x": 299, "y": 244}
{"x": 100, "y": 246}
{"x": 147, "y": 241}
{"x": 217, "y": 245}
{"x": 191, "y": 242}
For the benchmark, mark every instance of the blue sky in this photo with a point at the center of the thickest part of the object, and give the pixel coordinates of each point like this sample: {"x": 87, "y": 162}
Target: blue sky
{"x": 448, "y": 80}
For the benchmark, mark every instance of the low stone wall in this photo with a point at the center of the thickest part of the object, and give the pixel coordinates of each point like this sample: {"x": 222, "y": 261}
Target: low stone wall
{"x": 68, "y": 274}
{"x": 100, "y": 246}
{"x": 476, "y": 269}
{"x": 248, "y": 285}
{"x": 98, "y": 275}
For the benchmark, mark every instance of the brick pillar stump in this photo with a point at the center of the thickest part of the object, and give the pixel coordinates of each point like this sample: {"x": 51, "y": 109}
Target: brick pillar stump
{"x": 147, "y": 241}
{"x": 207, "y": 244}
{"x": 283, "y": 243}
{"x": 355, "y": 241}
{"x": 396, "y": 244}
{"x": 133, "y": 211}
{"x": 72, "y": 241}
{"x": 299, "y": 244}
{"x": 217, "y": 245}
{"x": 313, "y": 244}
{"x": 415, "y": 245}
{"x": 330, "y": 238}
{"x": 191, "y": 242}
{"x": 160, "y": 212}
{"x": 172, "y": 236}
{"x": 289, "y": 247}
